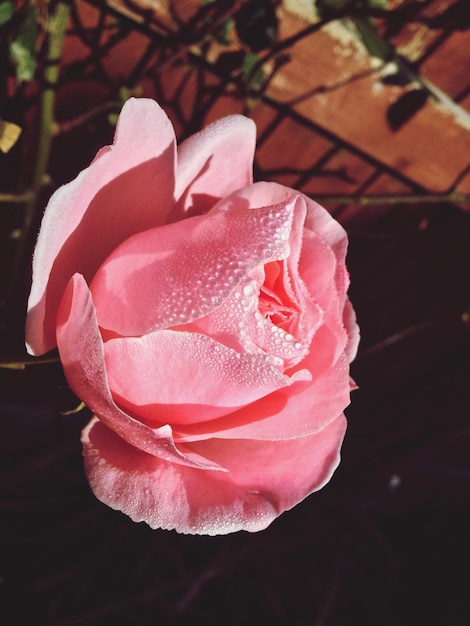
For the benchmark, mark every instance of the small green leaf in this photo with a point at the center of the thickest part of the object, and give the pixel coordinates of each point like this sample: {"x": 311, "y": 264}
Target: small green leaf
{"x": 124, "y": 94}
{"x": 249, "y": 62}
{"x": 23, "y": 47}
{"x": 80, "y": 406}
{"x": 113, "y": 118}
{"x": 223, "y": 35}
{"x": 6, "y": 12}
{"x": 373, "y": 42}
{"x": 251, "y": 76}
{"x": 378, "y": 4}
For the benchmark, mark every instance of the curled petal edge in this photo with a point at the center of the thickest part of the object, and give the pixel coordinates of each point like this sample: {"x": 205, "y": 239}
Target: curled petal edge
{"x": 264, "y": 480}
{"x": 82, "y": 355}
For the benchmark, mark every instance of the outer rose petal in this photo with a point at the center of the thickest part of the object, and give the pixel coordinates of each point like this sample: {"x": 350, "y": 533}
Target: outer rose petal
{"x": 82, "y": 357}
{"x": 213, "y": 163}
{"x": 350, "y": 323}
{"x": 263, "y": 480}
{"x": 128, "y": 188}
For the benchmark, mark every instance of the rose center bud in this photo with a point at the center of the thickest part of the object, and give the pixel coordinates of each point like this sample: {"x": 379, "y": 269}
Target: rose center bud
{"x": 274, "y": 310}
{"x": 275, "y": 304}
{"x": 278, "y": 317}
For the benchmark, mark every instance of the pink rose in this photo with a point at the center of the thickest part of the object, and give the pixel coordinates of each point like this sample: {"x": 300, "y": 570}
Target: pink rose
{"x": 203, "y": 319}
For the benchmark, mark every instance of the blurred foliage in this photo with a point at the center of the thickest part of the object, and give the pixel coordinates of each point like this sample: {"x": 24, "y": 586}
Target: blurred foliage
{"x": 363, "y": 25}
{"x": 330, "y": 8}
{"x": 23, "y": 45}
{"x": 375, "y": 45}
{"x": 6, "y": 12}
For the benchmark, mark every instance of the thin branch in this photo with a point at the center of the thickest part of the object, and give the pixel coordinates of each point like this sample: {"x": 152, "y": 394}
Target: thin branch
{"x": 453, "y": 196}
{"x": 410, "y": 331}
{"x": 12, "y": 362}
{"x": 15, "y": 198}
{"x": 65, "y": 127}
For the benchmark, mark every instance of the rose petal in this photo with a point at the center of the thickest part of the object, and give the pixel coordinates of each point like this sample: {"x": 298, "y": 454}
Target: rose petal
{"x": 82, "y": 357}
{"x": 322, "y": 223}
{"x": 302, "y": 409}
{"x": 317, "y": 220}
{"x": 182, "y": 271}
{"x": 318, "y": 268}
{"x": 180, "y": 378}
{"x": 213, "y": 163}
{"x": 263, "y": 480}
{"x": 128, "y": 188}
{"x": 305, "y": 323}
{"x": 352, "y": 328}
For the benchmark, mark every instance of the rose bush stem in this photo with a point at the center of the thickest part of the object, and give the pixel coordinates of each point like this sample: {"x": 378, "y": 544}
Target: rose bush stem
{"x": 55, "y": 32}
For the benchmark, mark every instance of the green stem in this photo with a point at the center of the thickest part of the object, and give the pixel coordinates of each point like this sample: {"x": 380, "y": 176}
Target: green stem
{"x": 55, "y": 32}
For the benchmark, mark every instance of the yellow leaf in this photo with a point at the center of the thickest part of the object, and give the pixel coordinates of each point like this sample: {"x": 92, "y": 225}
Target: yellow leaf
{"x": 9, "y": 134}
